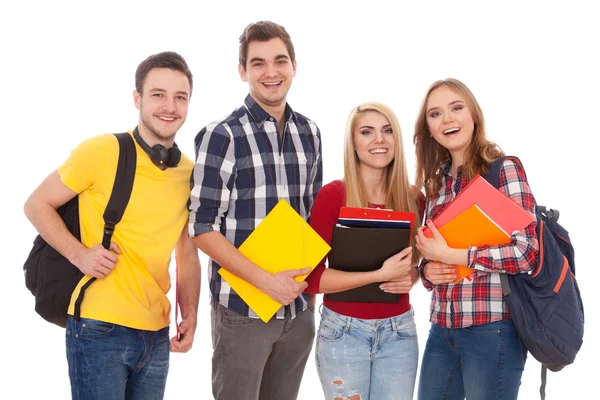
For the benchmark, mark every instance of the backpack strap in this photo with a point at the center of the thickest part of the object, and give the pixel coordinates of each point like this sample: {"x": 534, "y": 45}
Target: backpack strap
{"x": 493, "y": 177}
{"x": 119, "y": 197}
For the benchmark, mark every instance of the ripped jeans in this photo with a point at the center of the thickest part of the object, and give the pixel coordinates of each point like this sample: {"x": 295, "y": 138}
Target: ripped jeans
{"x": 362, "y": 359}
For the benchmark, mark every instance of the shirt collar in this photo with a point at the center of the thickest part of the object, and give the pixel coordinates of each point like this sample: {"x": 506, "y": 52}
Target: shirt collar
{"x": 446, "y": 168}
{"x": 259, "y": 115}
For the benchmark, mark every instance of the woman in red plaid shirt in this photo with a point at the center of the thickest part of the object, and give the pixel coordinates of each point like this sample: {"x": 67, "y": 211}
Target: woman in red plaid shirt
{"x": 473, "y": 349}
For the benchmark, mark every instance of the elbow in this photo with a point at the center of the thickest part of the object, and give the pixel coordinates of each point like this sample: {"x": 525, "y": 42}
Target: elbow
{"x": 29, "y": 208}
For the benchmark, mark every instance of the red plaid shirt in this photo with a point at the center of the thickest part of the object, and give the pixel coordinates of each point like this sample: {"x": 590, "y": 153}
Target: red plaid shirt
{"x": 478, "y": 300}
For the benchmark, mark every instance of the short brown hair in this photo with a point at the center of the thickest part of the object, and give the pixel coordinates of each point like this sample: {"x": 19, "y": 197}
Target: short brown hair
{"x": 166, "y": 59}
{"x": 263, "y": 31}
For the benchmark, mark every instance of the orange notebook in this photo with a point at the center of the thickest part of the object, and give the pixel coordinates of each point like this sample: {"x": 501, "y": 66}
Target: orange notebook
{"x": 472, "y": 227}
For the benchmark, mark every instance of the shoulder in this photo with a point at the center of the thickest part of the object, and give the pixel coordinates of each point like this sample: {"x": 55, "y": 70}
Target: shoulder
{"x": 302, "y": 120}
{"x": 185, "y": 163}
{"x": 225, "y": 125}
{"x": 96, "y": 146}
{"x": 512, "y": 169}
{"x": 334, "y": 189}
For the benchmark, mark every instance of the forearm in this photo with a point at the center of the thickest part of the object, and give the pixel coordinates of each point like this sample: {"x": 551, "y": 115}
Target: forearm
{"x": 333, "y": 281}
{"x": 455, "y": 256}
{"x": 52, "y": 228}
{"x": 188, "y": 286}
{"x": 217, "y": 247}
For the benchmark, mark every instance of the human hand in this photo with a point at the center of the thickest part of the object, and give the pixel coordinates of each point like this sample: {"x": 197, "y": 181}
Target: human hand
{"x": 184, "y": 338}
{"x": 283, "y": 287}
{"x": 440, "y": 273}
{"x": 401, "y": 285}
{"x": 395, "y": 267}
{"x": 433, "y": 248}
{"x": 98, "y": 262}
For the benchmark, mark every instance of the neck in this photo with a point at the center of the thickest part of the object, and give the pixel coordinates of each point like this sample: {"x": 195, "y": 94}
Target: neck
{"x": 276, "y": 111}
{"x": 458, "y": 158}
{"x": 374, "y": 184}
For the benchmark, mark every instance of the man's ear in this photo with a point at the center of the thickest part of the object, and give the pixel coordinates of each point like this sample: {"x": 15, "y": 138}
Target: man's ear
{"x": 294, "y": 64}
{"x": 137, "y": 99}
{"x": 242, "y": 71}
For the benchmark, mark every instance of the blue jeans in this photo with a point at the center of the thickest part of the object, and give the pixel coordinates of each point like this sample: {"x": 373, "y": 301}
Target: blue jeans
{"x": 477, "y": 362}
{"x": 108, "y": 361}
{"x": 367, "y": 358}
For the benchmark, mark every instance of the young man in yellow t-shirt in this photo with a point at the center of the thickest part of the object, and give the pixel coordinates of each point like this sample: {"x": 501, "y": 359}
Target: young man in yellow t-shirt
{"x": 120, "y": 346}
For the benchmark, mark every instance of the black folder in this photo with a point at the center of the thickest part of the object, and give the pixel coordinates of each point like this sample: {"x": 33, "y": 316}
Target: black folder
{"x": 361, "y": 249}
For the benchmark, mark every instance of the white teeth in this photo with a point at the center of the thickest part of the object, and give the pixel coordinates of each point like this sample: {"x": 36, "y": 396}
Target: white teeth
{"x": 271, "y": 83}
{"x": 451, "y": 130}
{"x": 378, "y": 151}
{"x": 167, "y": 119}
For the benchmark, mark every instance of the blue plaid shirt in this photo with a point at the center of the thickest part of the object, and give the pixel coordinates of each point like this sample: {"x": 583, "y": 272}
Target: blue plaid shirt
{"x": 243, "y": 168}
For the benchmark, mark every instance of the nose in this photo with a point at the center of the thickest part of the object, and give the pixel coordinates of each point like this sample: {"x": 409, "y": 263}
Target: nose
{"x": 378, "y": 137}
{"x": 168, "y": 104}
{"x": 447, "y": 117}
{"x": 271, "y": 70}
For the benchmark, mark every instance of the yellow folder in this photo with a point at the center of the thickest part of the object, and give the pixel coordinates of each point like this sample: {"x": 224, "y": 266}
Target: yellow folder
{"x": 282, "y": 241}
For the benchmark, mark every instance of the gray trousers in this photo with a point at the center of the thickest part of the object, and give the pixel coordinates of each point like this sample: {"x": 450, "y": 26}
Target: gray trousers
{"x": 257, "y": 361}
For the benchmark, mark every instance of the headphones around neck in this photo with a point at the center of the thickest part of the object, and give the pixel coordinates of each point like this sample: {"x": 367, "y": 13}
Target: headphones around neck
{"x": 162, "y": 157}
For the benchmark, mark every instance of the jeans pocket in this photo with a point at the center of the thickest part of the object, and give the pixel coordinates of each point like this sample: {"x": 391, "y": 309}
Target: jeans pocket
{"x": 90, "y": 329}
{"x": 233, "y": 318}
{"x": 407, "y": 330}
{"x": 330, "y": 332}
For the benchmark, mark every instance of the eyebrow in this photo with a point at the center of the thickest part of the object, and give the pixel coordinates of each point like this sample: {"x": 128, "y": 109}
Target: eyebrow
{"x": 278, "y": 57}
{"x": 164, "y": 91}
{"x": 372, "y": 127}
{"x": 450, "y": 104}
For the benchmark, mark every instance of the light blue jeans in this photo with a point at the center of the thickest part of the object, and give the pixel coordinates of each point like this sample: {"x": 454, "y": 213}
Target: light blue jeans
{"x": 367, "y": 358}
{"x": 108, "y": 361}
{"x": 477, "y": 362}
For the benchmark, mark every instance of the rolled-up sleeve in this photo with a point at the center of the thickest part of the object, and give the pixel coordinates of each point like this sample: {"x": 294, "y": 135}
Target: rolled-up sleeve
{"x": 212, "y": 179}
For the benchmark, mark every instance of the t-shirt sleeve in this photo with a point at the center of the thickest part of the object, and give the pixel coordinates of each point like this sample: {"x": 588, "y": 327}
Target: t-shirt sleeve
{"x": 84, "y": 165}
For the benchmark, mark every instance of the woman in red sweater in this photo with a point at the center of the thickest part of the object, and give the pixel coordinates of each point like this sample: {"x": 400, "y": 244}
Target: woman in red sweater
{"x": 368, "y": 350}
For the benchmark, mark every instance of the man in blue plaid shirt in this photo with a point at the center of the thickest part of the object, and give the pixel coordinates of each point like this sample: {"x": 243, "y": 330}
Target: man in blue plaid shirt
{"x": 245, "y": 163}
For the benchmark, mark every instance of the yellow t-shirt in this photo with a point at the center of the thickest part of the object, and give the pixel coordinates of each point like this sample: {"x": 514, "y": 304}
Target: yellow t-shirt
{"x": 134, "y": 293}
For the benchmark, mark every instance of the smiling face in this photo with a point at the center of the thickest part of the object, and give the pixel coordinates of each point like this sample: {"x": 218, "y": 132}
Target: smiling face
{"x": 374, "y": 141}
{"x": 163, "y": 105}
{"x": 450, "y": 120}
{"x": 269, "y": 72}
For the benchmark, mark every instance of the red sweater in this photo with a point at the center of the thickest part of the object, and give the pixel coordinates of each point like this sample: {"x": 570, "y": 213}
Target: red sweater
{"x": 323, "y": 217}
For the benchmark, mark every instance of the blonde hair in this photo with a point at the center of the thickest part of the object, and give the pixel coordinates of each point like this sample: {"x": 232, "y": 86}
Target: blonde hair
{"x": 400, "y": 194}
{"x": 431, "y": 155}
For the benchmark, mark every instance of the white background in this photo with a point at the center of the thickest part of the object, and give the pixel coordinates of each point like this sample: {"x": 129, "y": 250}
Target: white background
{"x": 67, "y": 73}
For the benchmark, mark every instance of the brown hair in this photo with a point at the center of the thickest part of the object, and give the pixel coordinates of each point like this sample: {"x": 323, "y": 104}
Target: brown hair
{"x": 166, "y": 59}
{"x": 263, "y": 31}
{"x": 431, "y": 155}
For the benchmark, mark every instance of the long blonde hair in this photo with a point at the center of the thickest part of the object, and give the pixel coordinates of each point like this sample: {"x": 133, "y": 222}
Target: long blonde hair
{"x": 400, "y": 194}
{"x": 431, "y": 155}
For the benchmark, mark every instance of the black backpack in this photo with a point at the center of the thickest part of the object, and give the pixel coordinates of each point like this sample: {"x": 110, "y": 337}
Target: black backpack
{"x": 49, "y": 276}
{"x": 545, "y": 304}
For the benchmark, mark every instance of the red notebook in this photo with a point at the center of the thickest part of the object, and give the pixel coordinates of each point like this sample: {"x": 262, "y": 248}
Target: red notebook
{"x": 501, "y": 209}
{"x": 376, "y": 217}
